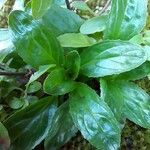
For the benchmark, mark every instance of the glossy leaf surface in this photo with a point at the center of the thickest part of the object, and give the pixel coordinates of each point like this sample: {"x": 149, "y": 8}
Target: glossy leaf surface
{"x": 129, "y": 100}
{"x": 62, "y": 20}
{"x": 111, "y": 57}
{"x": 137, "y": 73}
{"x": 39, "y": 7}
{"x": 6, "y": 45}
{"x": 57, "y": 84}
{"x": 63, "y": 128}
{"x": 93, "y": 25}
{"x": 94, "y": 119}
{"x": 34, "y": 42}
{"x": 29, "y": 126}
{"x": 127, "y": 18}
{"x": 72, "y": 64}
{"x": 75, "y": 40}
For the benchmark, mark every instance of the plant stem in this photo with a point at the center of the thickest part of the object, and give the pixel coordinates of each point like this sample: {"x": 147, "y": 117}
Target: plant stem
{"x": 68, "y": 4}
{"x": 105, "y": 7}
{"x": 12, "y": 73}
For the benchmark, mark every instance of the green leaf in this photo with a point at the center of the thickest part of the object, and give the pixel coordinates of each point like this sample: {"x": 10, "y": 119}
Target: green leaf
{"x": 6, "y": 45}
{"x": 63, "y": 128}
{"x": 129, "y": 100}
{"x": 16, "y": 103}
{"x": 93, "y": 25}
{"x": 4, "y": 138}
{"x": 81, "y": 5}
{"x": 136, "y": 74}
{"x": 57, "y": 84}
{"x": 62, "y": 20}
{"x": 34, "y": 42}
{"x": 39, "y": 7}
{"x": 34, "y": 87}
{"x": 75, "y": 40}
{"x": 147, "y": 51}
{"x": 94, "y": 118}
{"x": 127, "y": 18}
{"x": 40, "y": 72}
{"x": 111, "y": 94}
{"x": 72, "y": 64}
{"x": 111, "y": 57}
{"x": 137, "y": 39}
{"x": 28, "y": 127}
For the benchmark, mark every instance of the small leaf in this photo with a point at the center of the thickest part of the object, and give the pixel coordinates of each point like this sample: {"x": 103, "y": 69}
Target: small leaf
{"x": 4, "y": 138}
{"x": 93, "y": 25}
{"x": 127, "y": 99}
{"x": 63, "y": 128}
{"x": 34, "y": 87}
{"x": 112, "y": 95}
{"x": 127, "y": 18}
{"x": 39, "y": 7}
{"x": 57, "y": 84}
{"x": 73, "y": 64}
{"x": 75, "y": 40}
{"x": 111, "y": 57}
{"x": 29, "y": 126}
{"x": 34, "y": 42}
{"x": 94, "y": 118}
{"x": 40, "y": 72}
{"x": 16, "y": 103}
{"x": 62, "y": 20}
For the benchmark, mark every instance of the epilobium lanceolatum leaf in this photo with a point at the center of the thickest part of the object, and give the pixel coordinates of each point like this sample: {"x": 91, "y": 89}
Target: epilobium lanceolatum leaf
{"x": 34, "y": 42}
{"x": 29, "y": 126}
{"x": 126, "y": 19}
{"x": 63, "y": 128}
{"x": 94, "y": 119}
{"x": 111, "y": 57}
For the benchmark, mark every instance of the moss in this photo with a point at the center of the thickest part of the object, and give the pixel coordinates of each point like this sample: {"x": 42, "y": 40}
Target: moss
{"x": 4, "y": 12}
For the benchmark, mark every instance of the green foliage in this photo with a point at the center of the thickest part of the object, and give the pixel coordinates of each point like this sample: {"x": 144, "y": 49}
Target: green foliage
{"x": 28, "y": 127}
{"x": 56, "y": 53}
{"x": 39, "y": 7}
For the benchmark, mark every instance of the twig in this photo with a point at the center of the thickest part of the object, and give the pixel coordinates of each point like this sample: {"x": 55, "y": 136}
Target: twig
{"x": 68, "y": 4}
{"x": 105, "y": 7}
{"x": 12, "y": 73}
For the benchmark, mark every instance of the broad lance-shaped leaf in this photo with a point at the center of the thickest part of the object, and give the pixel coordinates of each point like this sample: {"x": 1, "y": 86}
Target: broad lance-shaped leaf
{"x": 62, "y": 20}
{"x": 62, "y": 130}
{"x": 39, "y": 7}
{"x": 94, "y": 119}
{"x": 34, "y": 42}
{"x": 111, "y": 57}
{"x": 72, "y": 64}
{"x": 56, "y": 83}
{"x": 127, "y": 18}
{"x": 127, "y": 100}
{"x": 93, "y": 25}
{"x": 29, "y": 126}
{"x": 4, "y": 138}
{"x": 75, "y": 40}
